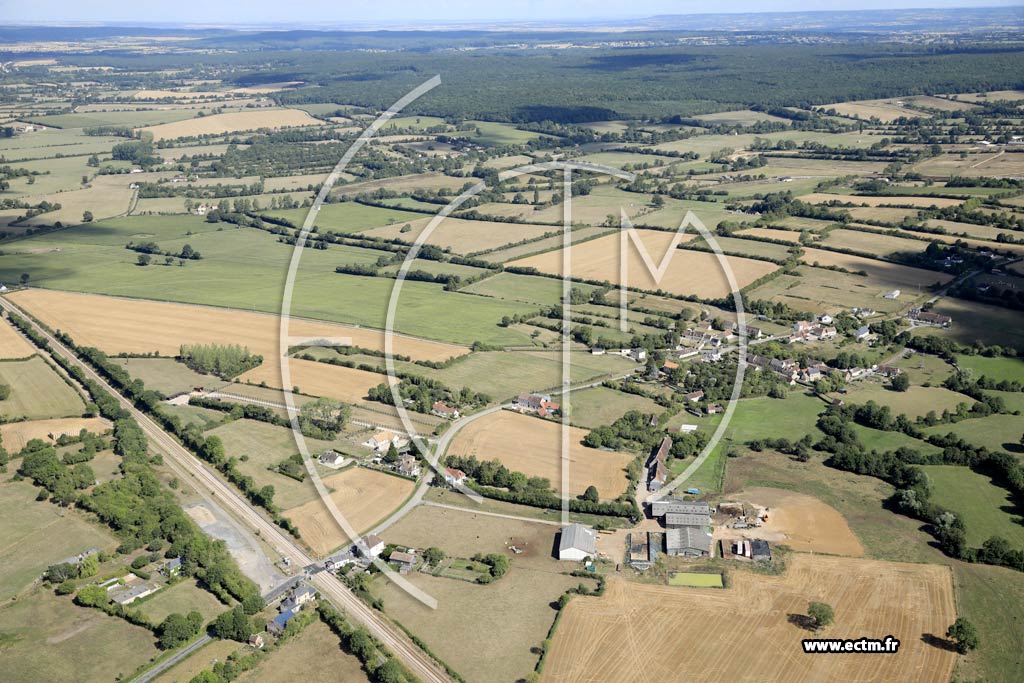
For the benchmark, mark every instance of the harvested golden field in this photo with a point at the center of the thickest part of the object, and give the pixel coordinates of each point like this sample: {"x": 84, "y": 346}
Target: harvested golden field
{"x": 12, "y": 344}
{"x": 791, "y": 236}
{"x": 885, "y": 200}
{"x": 689, "y": 272}
{"x": 364, "y": 496}
{"x": 882, "y": 273}
{"x": 883, "y": 110}
{"x": 135, "y": 326}
{"x": 647, "y": 633}
{"x": 233, "y": 122}
{"x": 17, "y": 434}
{"x": 533, "y": 446}
{"x": 114, "y": 324}
{"x": 802, "y": 522}
{"x": 466, "y": 237}
{"x": 318, "y": 379}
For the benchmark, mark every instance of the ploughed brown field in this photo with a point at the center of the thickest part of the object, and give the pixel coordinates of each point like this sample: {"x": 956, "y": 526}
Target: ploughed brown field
{"x": 750, "y": 632}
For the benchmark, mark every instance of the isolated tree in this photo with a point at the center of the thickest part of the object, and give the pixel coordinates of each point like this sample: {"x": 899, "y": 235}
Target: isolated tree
{"x": 821, "y": 614}
{"x": 965, "y": 635}
{"x": 323, "y": 418}
{"x": 24, "y": 278}
{"x": 87, "y": 216}
{"x": 900, "y": 383}
{"x": 144, "y": 259}
{"x": 591, "y": 494}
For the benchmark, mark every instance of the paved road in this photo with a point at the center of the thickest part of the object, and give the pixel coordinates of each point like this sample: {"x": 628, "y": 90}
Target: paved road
{"x": 186, "y": 465}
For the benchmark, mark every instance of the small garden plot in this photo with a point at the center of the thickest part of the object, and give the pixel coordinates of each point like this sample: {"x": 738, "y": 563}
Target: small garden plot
{"x": 695, "y": 580}
{"x": 460, "y": 568}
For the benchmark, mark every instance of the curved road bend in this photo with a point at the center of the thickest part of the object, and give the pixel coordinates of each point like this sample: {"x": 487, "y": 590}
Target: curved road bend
{"x": 329, "y": 586}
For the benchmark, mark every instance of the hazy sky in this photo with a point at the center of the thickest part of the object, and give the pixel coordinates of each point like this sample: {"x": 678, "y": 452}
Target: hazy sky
{"x": 311, "y": 12}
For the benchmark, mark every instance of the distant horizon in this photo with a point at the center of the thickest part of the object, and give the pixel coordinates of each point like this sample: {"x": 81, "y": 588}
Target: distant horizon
{"x": 404, "y": 14}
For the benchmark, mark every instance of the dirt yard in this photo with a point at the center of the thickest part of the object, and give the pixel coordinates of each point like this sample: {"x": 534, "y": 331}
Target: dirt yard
{"x": 648, "y": 633}
{"x": 12, "y": 344}
{"x": 363, "y": 496}
{"x": 799, "y": 521}
{"x": 532, "y": 446}
{"x": 688, "y": 272}
{"x": 17, "y": 434}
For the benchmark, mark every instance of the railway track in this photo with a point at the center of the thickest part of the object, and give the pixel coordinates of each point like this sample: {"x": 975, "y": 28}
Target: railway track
{"x": 184, "y": 463}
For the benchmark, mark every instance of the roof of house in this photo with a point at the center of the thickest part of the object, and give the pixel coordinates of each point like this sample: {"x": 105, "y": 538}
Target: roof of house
{"x": 284, "y": 617}
{"x": 399, "y": 556}
{"x": 442, "y": 408}
{"x": 372, "y": 540}
{"x": 677, "y": 506}
{"x": 678, "y": 519}
{"x": 454, "y": 473}
{"x": 759, "y": 547}
{"x": 578, "y": 537}
{"x": 687, "y": 537}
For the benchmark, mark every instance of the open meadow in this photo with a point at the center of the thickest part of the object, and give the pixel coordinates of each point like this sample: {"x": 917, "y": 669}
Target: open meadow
{"x": 17, "y": 434}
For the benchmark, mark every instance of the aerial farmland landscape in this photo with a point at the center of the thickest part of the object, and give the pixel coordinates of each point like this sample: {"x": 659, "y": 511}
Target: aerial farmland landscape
{"x": 519, "y": 344}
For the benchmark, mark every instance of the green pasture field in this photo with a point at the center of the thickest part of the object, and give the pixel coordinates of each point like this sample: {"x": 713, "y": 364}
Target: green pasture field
{"x": 346, "y": 217}
{"x": 922, "y": 367}
{"x": 621, "y": 159}
{"x": 545, "y": 244}
{"x": 973, "y": 321}
{"x": 413, "y": 122}
{"x": 266, "y": 445}
{"x": 72, "y": 144}
{"x": 37, "y": 392}
{"x": 997, "y": 368}
{"x": 316, "y": 652}
{"x": 818, "y": 290}
{"x": 203, "y": 658}
{"x": 998, "y": 432}
{"x": 494, "y": 134}
{"x": 49, "y": 638}
{"x": 797, "y": 187}
{"x": 37, "y": 534}
{"x": 708, "y": 144}
{"x": 747, "y": 247}
{"x": 438, "y": 268}
{"x": 531, "y": 289}
{"x": 872, "y": 243}
{"x": 740, "y": 117}
{"x": 182, "y": 597}
{"x": 204, "y": 417}
{"x": 600, "y": 405}
{"x": 801, "y": 223}
{"x": 914, "y": 402}
{"x": 505, "y": 374}
{"x": 877, "y": 440}
{"x": 696, "y": 580}
{"x": 244, "y": 268}
{"x": 56, "y": 175}
{"x": 167, "y": 375}
{"x": 987, "y": 508}
{"x": 116, "y": 118}
{"x": 1014, "y": 400}
{"x": 992, "y": 598}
